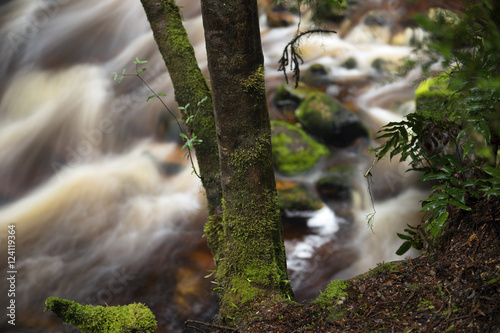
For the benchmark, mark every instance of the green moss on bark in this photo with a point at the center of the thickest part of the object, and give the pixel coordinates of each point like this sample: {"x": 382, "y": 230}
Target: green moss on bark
{"x": 190, "y": 88}
{"x": 252, "y": 232}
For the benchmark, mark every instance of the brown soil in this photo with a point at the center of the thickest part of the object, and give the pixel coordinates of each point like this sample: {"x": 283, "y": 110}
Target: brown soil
{"x": 455, "y": 287}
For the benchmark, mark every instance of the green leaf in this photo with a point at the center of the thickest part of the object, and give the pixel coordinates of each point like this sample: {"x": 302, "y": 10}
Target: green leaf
{"x": 434, "y": 176}
{"x": 483, "y": 128}
{"x": 437, "y": 196}
{"x": 461, "y": 134}
{"x": 141, "y": 71}
{"x": 203, "y": 100}
{"x": 438, "y": 223}
{"x": 402, "y": 236}
{"x": 495, "y": 172}
{"x": 388, "y": 145}
{"x": 468, "y": 147}
{"x": 152, "y": 96}
{"x": 162, "y": 94}
{"x": 460, "y": 205}
{"x": 494, "y": 180}
{"x": 137, "y": 61}
{"x": 404, "y": 133}
{"x": 403, "y": 248}
{"x": 453, "y": 161}
{"x": 456, "y": 193}
{"x": 433, "y": 205}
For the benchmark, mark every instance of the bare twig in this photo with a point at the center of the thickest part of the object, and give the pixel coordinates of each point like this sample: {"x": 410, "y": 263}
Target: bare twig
{"x": 187, "y": 322}
{"x": 294, "y": 57}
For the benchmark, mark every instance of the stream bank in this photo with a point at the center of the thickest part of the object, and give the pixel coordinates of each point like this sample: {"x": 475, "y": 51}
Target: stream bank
{"x": 453, "y": 287}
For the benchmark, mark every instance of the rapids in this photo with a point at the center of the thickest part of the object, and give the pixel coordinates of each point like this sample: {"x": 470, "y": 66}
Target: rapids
{"x": 106, "y": 210}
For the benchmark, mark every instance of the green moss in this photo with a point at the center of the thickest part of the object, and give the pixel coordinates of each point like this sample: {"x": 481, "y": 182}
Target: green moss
{"x": 346, "y": 169}
{"x": 333, "y": 292}
{"x": 293, "y": 150}
{"x": 253, "y": 238}
{"x": 388, "y": 267}
{"x": 298, "y": 199}
{"x": 433, "y": 92}
{"x": 334, "y": 298}
{"x": 350, "y": 63}
{"x": 287, "y": 96}
{"x": 255, "y": 84}
{"x": 134, "y": 317}
{"x": 434, "y": 87}
{"x": 330, "y": 121}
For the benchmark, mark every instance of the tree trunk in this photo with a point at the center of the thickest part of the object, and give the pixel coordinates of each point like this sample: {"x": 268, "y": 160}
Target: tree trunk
{"x": 190, "y": 87}
{"x": 253, "y": 264}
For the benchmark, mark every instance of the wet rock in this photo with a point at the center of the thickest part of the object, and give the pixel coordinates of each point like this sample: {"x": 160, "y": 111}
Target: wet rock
{"x": 330, "y": 11}
{"x": 329, "y": 120}
{"x": 296, "y": 198}
{"x": 294, "y": 151}
{"x": 279, "y": 18}
{"x": 350, "y": 63}
{"x": 317, "y": 75}
{"x": 334, "y": 187}
{"x": 287, "y": 97}
{"x": 380, "y": 65}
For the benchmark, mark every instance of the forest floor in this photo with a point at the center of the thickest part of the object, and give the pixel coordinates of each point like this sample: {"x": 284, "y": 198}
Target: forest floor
{"x": 454, "y": 287}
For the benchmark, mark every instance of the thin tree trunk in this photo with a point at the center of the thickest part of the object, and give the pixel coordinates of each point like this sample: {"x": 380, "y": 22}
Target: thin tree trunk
{"x": 254, "y": 263}
{"x": 190, "y": 87}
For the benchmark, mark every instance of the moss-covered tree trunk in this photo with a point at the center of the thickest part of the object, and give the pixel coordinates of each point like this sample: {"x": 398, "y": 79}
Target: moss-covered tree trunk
{"x": 190, "y": 87}
{"x": 248, "y": 244}
{"x": 253, "y": 263}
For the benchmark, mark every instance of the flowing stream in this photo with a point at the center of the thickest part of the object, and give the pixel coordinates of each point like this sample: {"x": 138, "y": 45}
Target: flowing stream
{"x": 105, "y": 208}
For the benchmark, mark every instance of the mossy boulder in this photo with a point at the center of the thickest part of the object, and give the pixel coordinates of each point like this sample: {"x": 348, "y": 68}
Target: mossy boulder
{"x": 350, "y": 63}
{"x": 317, "y": 75}
{"x": 330, "y": 11}
{"x": 297, "y": 199}
{"x": 134, "y": 317}
{"x": 289, "y": 98}
{"x": 335, "y": 187}
{"x": 329, "y": 120}
{"x": 294, "y": 151}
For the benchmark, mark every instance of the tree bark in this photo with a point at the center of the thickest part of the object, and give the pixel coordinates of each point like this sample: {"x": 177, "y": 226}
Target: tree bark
{"x": 254, "y": 263}
{"x": 190, "y": 87}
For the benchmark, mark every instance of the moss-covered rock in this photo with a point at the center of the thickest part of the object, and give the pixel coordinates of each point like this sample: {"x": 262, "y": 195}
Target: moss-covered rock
{"x": 350, "y": 63}
{"x": 335, "y": 187}
{"x": 287, "y": 97}
{"x": 134, "y": 317}
{"x": 326, "y": 118}
{"x": 297, "y": 198}
{"x": 293, "y": 150}
{"x": 317, "y": 75}
{"x": 329, "y": 11}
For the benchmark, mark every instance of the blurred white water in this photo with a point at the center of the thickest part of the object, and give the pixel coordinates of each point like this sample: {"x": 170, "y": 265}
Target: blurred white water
{"x": 103, "y": 212}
